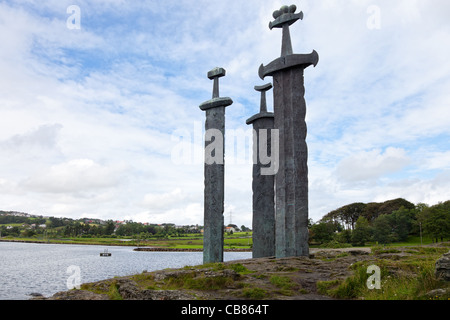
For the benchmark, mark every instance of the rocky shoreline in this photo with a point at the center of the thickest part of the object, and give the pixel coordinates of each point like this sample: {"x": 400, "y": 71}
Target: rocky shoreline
{"x": 295, "y": 278}
{"x": 237, "y": 276}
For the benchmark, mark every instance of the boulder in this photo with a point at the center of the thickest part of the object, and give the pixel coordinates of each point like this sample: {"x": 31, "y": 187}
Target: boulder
{"x": 438, "y": 293}
{"x": 442, "y": 267}
{"x": 129, "y": 290}
{"x": 78, "y": 295}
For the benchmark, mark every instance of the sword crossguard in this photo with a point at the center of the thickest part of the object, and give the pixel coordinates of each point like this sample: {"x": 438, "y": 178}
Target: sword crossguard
{"x": 216, "y": 101}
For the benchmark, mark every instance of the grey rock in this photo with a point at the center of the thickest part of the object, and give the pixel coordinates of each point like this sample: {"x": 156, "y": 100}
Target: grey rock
{"x": 36, "y": 294}
{"x": 128, "y": 289}
{"x": 78, "y": 295}
{"x": 438, "y": 293}
{"x": 165, "y": 295}
{"x": 442, "y": 267}
{"x": 224, "y": 273}
{"x": 358, "y": 252}
{"x": 163, "y": 275}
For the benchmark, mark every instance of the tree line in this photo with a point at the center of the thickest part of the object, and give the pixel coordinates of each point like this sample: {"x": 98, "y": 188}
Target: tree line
{"x": 386, "y": 222}
{"x": 66, "y": 227}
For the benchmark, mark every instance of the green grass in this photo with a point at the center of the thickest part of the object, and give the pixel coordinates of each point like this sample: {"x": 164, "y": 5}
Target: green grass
{"x": 187, "y": 280}
{"x": 113, "y": 292}
{"x": 237, "y": 240}
{"x": 285, "y": 284}
{"x": 411, "y": 241}
{"x": 190, "y": 281}
{"x": 254, "y": 293}
{"x": 110, "y": 290}
{"x": 239, "y": 268}
{"x": 407, "y": 278}
{"x": 183, "y": 242}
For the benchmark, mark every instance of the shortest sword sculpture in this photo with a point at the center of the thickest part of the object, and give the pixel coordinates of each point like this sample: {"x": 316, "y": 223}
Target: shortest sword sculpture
{"x": 263, "y": 224}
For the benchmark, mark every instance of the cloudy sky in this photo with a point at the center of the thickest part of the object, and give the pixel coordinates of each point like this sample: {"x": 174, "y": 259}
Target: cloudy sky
{"x": 99, "y": 109}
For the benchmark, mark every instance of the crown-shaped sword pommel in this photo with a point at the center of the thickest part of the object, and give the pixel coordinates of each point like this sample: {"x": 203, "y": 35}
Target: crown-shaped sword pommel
{"x": 286, "y": 15}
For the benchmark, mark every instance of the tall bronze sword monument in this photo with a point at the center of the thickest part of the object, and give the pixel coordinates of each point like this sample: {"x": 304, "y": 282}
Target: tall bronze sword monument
{"x": 291, "y": 180}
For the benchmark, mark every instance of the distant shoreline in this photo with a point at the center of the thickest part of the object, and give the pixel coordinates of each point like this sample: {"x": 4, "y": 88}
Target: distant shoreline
{"x": 149, "y": 249}
{"x": 68, "y": 242}
{"x": 185, "y": 249}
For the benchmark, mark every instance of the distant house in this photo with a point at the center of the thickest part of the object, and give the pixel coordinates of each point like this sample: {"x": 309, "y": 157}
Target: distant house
{"x": 230, "y": 230}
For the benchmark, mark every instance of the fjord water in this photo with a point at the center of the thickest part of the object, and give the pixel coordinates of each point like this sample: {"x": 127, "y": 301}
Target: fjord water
{"x": 45, "y": 268}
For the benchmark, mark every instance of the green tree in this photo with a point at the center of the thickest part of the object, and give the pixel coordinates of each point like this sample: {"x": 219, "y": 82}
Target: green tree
{"x": 53, "y": 222}
{"x": 28, "y": 233}
{"x": 401, "y": 222}
{"x": 346, "y": 215}
{"x": 323, "y": 232}
{"x": 374, "y": 209}
{"x": 345, "y": 236}
{"x": 14, "y": 231}
{"x": 382, "y": 229}
{"x": 109, "y": 228}
{"x": 362, "y": 232}
{"x": 436, "y": 221}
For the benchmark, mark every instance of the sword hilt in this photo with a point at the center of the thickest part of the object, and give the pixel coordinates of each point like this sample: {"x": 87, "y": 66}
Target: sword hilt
{"x": 283, "y": 19}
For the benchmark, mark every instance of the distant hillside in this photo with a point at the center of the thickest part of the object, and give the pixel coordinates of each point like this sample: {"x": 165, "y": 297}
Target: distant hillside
{"x": 382, "y": 222}
{"x": 348, "y": 215}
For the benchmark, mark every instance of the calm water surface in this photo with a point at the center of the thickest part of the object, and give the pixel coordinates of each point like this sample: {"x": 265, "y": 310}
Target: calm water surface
{"x": 45, "y": 268}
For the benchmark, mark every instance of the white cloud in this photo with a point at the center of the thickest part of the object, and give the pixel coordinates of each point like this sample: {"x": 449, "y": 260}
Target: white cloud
{"x": 43, "y": 137}
{"x": 75, "y": 176}
{"x": 87, "y": 115}
{"x": 164, "y": 200}
{"x": 372, "y": 164}
{"x": 435, "y": 160}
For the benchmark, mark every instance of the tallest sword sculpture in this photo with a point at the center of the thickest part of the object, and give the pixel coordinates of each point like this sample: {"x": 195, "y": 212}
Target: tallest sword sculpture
{"x": 291, "y": 181}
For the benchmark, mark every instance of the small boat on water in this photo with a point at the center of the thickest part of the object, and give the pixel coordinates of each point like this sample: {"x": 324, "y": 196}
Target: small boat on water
{"x": 105, "y": 253}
